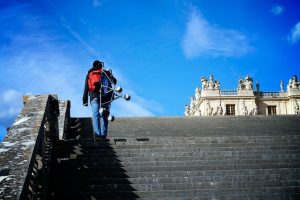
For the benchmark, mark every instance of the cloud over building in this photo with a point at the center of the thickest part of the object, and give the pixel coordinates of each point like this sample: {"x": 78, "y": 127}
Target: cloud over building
{"x": 205, "y": 39}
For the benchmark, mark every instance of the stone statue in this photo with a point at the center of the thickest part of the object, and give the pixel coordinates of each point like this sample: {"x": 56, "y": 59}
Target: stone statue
{"x": 254, "y": 110}
{"x": 248, "y": 83}
{"x": 187, "y": 110}
{"x": 244, "y": 109}
{"x": 289, "y": 85}
{"x": 192, "y": 103}
{"x": 257, "y": 86}
{"x": 217, "y": 85}
{"x": 209, "y": 109}
{"x": 294, "y": 82}
{"x": 204, "y": 83}
{"x": 241, "y": 84}
{"x": 197, "y": 93}
{"x": 281, "y": 86}
{"x": 220, "y": 110}
{"x": 198, "y": 112}
{"x": 211, "y": 84}
{"x": 296, "y": 108}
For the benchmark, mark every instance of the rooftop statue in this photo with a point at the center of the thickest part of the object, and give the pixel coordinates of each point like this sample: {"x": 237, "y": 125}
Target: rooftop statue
{"x": 257, "y": 86}
{"x": 187, "y": 110}
{"x": 281, "y": 86}
{"x": 197, "y": 93}
{"x": 204, "y": 83}
{"x": 209, "y": 100}
{"x": 211, "y": 84}
{"x": 293, "y": 83}
{"x": 246, "y": 84}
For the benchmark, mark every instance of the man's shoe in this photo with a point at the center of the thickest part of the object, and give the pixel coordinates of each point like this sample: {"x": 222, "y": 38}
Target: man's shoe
{"x": 104, "y": 138}
{"x": 98, "y": 137}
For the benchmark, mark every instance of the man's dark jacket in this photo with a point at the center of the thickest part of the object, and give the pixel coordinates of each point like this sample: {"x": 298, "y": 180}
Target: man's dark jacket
{"x": 96, "y": 92}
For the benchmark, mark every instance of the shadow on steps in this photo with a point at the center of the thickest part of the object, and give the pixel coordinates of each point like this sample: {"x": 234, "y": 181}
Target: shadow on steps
{"x": 86, "y": 169}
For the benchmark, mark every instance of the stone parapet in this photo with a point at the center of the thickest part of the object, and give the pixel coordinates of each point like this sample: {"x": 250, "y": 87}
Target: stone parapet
{"x": 24, "y": 152}
{"x": 64, "y": 118}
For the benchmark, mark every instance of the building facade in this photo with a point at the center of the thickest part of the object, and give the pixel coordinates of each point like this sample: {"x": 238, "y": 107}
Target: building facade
{"x": 211, "y": 101}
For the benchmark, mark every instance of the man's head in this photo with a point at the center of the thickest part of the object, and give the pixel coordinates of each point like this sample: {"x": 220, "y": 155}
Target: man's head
{"x": 98, "y": 64}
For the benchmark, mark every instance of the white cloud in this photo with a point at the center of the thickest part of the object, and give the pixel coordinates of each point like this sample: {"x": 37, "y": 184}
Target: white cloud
{"x": 43, "y": 62}
{"x": 97, "y": 3}
{"x": 204, "y": 39}
{"x": 277, "y": 10}
{"x": 10, "y": 105}
{"x": 294, "y": 35}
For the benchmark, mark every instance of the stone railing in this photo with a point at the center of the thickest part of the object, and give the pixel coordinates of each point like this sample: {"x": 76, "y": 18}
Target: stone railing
{"x": 268, "y": 94}
{"x": 229, "y": 92}
{"x": 25, "y": 153}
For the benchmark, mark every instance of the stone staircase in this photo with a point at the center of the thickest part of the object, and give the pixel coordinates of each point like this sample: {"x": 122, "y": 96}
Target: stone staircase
{"x": 180, "y": 158}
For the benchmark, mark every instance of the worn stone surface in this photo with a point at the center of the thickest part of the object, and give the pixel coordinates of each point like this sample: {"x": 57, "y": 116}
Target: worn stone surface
{"x": 17, "y": 146}
{"x": 64, "y": 117}
{"x": 250, "y": 157}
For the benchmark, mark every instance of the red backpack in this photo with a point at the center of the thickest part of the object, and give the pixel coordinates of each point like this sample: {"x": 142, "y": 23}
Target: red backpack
{"x": 94, "y": 79}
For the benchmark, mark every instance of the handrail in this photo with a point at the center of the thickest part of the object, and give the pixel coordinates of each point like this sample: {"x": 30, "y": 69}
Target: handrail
{"x": 36, "y": 182}
{"x": 26, "y": 149}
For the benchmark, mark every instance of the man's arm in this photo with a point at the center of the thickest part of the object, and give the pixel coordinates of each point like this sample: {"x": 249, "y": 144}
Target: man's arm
{"x": 85, "y": 92}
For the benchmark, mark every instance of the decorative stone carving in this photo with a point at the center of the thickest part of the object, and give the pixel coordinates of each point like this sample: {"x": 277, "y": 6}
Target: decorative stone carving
{"x": 244, "y": 109}
{"x": 296, "y": 108}
{"x": 206, "y": 101}
{"x": 197, "y": 112}
{"x": 211, "y": 84}
{"x": 204, "y": 83}
{"x": 192, "y": 103}
{"x": 187, "y": 110}
{"x": 281, "y": 86}
{"x": 209, "y": 109}
{"x": 246, "y": 84}
{"x": 257, "y": 86}
{"x": 293, "y": 83}
{"x": 220, "y": 110}
{"x": 217, "y": 85}
{"x": 254, "y": 111}
{"x": 197, "y": 93}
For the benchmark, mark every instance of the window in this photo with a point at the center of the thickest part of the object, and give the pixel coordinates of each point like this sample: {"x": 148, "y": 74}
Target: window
{"x": 230, "y": 109}
{"x": 271, "y": 110}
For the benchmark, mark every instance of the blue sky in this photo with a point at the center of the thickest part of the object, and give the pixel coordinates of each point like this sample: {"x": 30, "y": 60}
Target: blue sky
{"x": 158, "y": 49}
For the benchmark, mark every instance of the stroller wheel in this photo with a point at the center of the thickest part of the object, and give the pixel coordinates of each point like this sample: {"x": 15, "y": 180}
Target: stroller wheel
{"x": 127, "y": 97}
{"x": 118, "y": 89}
{"x": 111, "y": 118}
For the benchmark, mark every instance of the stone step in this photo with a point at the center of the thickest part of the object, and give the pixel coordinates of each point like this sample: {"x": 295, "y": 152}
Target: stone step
{"x": 266, "y": 165}
{"x": 179, "y": 186}
{"x": 87, "y": 172}
{"x": 185, "y": 152}
{"x": 171, "y": 126}
{"x": 185, "y": 148}
{"x": 186, "y": 140}
{"x": 79, "y": 162}
{"x": 235, "y": 197}
{"x": 287, "y": 192}
{"x": 101, "y": 179}
{"x": 140, "y": 147}
{"x": 267, "y": 156}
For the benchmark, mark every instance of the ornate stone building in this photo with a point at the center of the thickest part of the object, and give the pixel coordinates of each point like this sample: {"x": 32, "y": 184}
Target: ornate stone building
{"x": 210, "y": 100}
